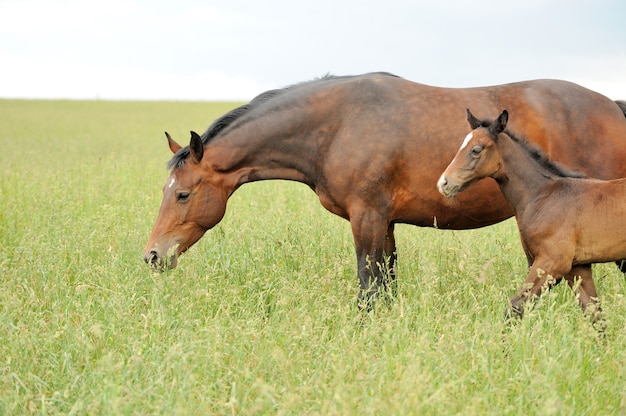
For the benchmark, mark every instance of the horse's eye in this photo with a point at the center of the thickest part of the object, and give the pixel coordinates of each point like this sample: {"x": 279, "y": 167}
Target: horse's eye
{"x": 182, "y": 196}
{"x": 476, "y": 150}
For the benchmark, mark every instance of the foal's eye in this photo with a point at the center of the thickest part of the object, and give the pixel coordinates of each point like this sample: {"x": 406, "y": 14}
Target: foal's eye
{"x": 476, "y": 150}
{"x": 182, "y": 196}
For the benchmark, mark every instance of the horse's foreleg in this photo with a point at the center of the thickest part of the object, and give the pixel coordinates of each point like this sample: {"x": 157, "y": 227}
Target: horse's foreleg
{"x": 581, "y": 280}
{"x": 392, "y": 258}
{"x": 371, "y": 237}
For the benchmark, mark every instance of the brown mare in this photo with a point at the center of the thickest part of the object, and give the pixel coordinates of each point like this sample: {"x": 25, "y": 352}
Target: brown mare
{"x": 371, "y": 147}
{"x": 565, "y": 220}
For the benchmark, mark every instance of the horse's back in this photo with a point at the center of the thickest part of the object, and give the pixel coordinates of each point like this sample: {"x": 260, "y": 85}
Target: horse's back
{"x": 574, "y": 125}
{"x": 400, "y": 135}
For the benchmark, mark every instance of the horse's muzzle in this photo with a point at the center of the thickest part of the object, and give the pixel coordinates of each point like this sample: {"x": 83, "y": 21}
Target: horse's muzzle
{"x": 152, "y": 258}
{"x": 159, "y": 263}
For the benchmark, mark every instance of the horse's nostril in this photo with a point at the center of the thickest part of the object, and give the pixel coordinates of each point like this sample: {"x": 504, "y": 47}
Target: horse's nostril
{"x": 152, "y": 258}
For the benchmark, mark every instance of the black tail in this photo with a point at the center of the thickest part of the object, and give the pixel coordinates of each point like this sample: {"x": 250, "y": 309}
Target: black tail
{"x": 622, "y": 263}
{"x": 622, "y": 105}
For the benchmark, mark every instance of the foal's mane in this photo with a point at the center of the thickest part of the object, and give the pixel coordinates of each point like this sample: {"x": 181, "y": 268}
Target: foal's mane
{"x": 535, "y": 153}
{"x": 178, "y": 160}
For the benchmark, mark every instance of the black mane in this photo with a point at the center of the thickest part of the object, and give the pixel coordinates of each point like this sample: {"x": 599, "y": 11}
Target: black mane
{"x": 178, "y": 160}
{"x": 622, "y": 105}
{"x": 540, "y": 157}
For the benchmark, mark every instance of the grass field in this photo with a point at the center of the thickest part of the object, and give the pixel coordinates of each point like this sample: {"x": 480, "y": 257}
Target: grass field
{"x": 260, "y": 316}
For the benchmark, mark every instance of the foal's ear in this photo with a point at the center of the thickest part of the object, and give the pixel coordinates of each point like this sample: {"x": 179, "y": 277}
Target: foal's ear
{"x": 499, "y": 125}
{"x": 473, "y": 121}
{"x": 174, "y": 147}
{"x": 196, "y": 147}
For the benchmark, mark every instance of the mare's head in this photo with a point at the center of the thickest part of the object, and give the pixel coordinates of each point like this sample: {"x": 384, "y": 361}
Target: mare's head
{"x": 477, "y": 158}
{"x": 193, "y": 202}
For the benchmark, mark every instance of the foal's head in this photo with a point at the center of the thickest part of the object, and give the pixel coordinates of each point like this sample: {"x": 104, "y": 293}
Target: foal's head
{"x": 476, "y": 158}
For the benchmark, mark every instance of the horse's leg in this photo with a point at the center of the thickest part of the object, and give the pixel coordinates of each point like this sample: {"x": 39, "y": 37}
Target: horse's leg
{"x": 392, "y": 257}
{"x": 587, "y": 294}
{"x": 621, "y": 265}
{"x": 536, "y": 281}
{"x": 370, "y": 231}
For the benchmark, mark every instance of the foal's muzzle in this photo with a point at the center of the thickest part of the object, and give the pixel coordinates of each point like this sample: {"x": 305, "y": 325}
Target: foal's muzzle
{"x": 446, "y": 188}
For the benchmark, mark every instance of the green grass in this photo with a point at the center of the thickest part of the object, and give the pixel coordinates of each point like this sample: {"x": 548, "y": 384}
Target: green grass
{"x": 260, "y": 317}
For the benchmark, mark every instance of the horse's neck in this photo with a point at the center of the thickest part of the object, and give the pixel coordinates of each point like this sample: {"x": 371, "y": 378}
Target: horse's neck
{"x": 277, "y": 149}
{"x": 523, "y": 179}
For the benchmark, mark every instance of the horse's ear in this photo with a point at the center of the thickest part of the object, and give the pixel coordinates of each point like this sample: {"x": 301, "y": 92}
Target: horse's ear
{"x": 174, "y": 147}
{"x": 196, "y": 147}
{"x": 499, "y": 125}
{"x": 473, "y": 121}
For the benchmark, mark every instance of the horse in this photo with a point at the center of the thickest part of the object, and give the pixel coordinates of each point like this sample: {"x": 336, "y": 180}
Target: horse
{"x": 566, "y": 220}
{"x": 354, "y": 140}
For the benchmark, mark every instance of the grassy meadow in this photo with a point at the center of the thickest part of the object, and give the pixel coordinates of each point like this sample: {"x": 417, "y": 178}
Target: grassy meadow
{"x": 260, "y": 316}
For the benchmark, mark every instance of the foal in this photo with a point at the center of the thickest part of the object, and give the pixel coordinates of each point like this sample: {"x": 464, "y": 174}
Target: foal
{"x": 564, "y": 220}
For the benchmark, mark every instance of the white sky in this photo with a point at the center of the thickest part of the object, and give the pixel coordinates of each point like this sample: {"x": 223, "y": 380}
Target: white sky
{"x": 236, "y": 49}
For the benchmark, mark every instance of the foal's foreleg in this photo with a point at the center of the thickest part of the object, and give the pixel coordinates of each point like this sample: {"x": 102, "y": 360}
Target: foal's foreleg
{"x": 536, "y": 281}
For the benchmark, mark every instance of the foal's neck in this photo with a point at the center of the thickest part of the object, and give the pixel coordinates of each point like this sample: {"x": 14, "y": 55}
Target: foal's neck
{"x": 522, "y": 178}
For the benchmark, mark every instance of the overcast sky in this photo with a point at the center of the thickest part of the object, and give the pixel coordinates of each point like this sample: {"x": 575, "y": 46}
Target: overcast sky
{"x": 236, "y": 49}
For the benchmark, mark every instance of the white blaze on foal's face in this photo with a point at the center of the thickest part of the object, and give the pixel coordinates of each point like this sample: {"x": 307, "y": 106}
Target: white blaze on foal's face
{"x": 171, "y": 183}
{"x": 467, "y": 139}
